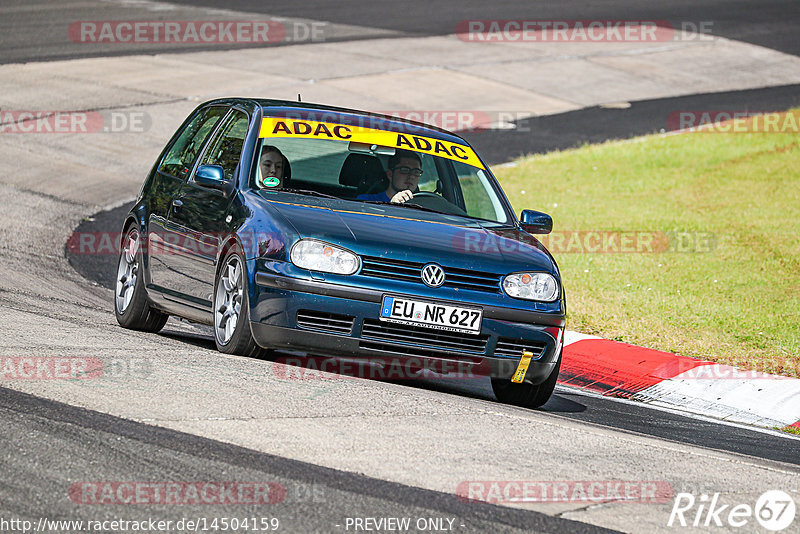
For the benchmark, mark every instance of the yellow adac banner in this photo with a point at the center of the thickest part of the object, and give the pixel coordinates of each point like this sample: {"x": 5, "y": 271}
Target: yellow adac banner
{"x": 278, "y": 127}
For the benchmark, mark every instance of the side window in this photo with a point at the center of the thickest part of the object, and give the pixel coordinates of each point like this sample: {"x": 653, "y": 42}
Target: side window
{"x": 181, "y": 156}
{"x": 430, "y": 176}
{"x": 226, "y": 148}
{"x": 479, "y": 198}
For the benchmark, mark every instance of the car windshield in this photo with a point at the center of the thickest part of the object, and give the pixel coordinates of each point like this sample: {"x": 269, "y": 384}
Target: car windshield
{"x": 445, "y": 177}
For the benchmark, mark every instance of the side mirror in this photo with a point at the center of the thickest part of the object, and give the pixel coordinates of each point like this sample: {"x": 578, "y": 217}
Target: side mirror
{"x": 536, "y": 222}
{"x": 210, "y": 176}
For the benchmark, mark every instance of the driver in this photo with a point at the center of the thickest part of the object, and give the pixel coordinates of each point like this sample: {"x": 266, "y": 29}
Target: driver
{"x": 405, "y": 168}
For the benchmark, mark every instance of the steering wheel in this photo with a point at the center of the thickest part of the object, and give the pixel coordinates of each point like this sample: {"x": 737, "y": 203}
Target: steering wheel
{"x": 428, "y": 199}
{"x": 424, "y": 194}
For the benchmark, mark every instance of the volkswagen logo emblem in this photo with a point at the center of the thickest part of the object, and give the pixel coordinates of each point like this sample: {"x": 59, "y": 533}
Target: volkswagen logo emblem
{"x": 432, "y": 275}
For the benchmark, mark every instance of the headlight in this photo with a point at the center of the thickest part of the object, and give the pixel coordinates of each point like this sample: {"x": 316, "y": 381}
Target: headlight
{"x": 320, "y": 256}
{"x": 531, "y": 286}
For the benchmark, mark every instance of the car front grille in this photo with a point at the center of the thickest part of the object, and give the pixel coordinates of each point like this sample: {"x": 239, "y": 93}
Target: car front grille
{"x": 515, "y": 347}
{"x": 327, "y": 322}
{"x": 408, "y": 271}
{"x": 393, "y": 335}
{"x": 408, "y": 350}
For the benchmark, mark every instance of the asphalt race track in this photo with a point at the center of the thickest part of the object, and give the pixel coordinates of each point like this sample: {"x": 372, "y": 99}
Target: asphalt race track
{"x": 313, "y": 496}
{"x": 336, "y": 449}
{"x": 771, "y": 23}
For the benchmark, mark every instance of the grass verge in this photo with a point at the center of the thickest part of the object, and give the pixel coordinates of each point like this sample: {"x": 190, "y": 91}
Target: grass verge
{"x": 713, "y": 223}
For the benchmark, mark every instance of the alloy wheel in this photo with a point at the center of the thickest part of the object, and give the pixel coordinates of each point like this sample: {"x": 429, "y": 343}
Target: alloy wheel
{"x": 228, "y": 301}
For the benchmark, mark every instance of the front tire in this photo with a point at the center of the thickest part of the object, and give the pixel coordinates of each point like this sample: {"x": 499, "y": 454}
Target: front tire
{"x": 526, "y": 395}
{"x": 232, "y": 309}
{"x": 131, "y": 306}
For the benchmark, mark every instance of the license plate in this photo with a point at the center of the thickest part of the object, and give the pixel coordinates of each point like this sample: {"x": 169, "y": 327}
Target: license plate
{"x": 431, "y": 314}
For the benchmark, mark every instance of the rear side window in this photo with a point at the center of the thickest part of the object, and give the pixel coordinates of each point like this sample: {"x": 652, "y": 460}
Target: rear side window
{"x": 226, "y": 148}
{"x": 181, "y": 156}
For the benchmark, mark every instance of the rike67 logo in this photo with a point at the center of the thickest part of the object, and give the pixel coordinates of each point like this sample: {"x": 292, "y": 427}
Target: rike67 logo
{"x": 774, "y": 510}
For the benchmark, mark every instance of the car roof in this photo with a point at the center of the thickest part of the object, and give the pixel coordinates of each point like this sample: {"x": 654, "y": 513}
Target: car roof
{"x": 354, "y": 117}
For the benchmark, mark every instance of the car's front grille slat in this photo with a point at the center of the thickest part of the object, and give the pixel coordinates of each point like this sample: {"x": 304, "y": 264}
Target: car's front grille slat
{"x": 410, "y": 272}
{"x": 477, "y": 275}
{"x": 460, "y": 278}
{"x": 402, "y": 334}
{"x": 475, "y": 287}
{"x": 515, "y": 347}
{"x": 423, "y": 336}
{"x": 388, "y": 272}
{"x": 402, "y": 350}
{"x": 473, "y": 281}
{"x": 390, "y": 275}
{"x": 393, "y": 264}
{"x": 328, "y": 322}
{"x": 392, "y": 269}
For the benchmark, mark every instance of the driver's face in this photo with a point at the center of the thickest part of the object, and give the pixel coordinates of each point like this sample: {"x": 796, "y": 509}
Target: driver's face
{"x": 405, "y": 175}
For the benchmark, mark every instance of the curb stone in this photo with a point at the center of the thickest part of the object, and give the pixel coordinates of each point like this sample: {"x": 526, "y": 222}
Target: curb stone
{"x": 616, "y": 369}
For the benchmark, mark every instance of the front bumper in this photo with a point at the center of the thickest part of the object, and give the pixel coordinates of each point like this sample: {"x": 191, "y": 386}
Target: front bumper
{"x": 336, "y": 320}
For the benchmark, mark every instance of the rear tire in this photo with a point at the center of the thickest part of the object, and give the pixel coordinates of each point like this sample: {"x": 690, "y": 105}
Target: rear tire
{"x": 232, "y": 308}
{"x": 526, "y": 395}
{"x": 131, "y": 306}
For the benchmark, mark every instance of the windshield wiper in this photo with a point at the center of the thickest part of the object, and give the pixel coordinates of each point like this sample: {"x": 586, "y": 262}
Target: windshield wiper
{"x": 308, "y": 192}
{"x": 405, "y": 204}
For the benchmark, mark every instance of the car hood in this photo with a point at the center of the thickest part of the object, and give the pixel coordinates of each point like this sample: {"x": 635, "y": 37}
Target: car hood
{"x": 405, "y": 234}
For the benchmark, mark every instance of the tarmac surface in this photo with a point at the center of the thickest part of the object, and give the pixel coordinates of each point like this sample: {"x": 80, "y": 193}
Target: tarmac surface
{"x": 309, "y": 498}
{"x": 41, "y": 26}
